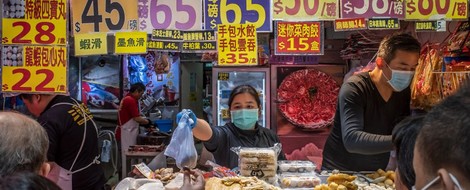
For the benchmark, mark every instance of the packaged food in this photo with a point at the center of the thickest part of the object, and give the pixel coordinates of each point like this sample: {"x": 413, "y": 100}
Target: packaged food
{"x": 299, "y": 181}
{"x": 296, "y": 166}
{"x": 259, "y": 162}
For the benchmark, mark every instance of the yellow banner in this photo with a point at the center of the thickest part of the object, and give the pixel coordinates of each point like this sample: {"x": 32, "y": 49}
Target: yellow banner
{"x": 436, "y": 9}
{"x": 44, "y": 69}
{"x": 290, "y": 10}
{"x": 91, "y": 44}
{"x": 35, "y": 31}
{"x": 130, "y": 43}
{"x": 103, "y": 16}
{"x": 237, "y": 45}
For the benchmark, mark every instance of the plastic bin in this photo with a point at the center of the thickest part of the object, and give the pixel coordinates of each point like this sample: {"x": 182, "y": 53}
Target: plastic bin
{"x": 165, "y": 125}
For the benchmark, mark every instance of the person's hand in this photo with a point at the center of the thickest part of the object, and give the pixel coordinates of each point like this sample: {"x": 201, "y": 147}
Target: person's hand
{"x": 190, "y": 114}
{"x": 199, "y": 184}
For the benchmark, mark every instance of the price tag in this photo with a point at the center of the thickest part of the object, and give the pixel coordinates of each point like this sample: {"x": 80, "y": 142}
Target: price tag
{"x": 238, "y": 12}
{"x": 199, "y": 41}
{"x": 198, "y": 47}
{"x": 237, "y": 45}
{"x": 305, "y": 10}
{"x": 165, "y": 46}
{"x": 103, "y": 15}
{"x": 44, "y": 69}
{"x": 430, "y": 26}
{"x": 170, "y": 14}
{"x": 91, "y": 44}
{"x": 223, "y": 76}
{"x": 297, "y": 38}
{"x": 350, "y": 24}
{"x": 383, "y": 23}
{"x": 130, "y": 43}
{"x": 372, "y": 8}
{"x": 35, "y": 22}
{"x": 436, "y": 9}
{"x": 170, "y": 35}
{"x": 202, "y": 35}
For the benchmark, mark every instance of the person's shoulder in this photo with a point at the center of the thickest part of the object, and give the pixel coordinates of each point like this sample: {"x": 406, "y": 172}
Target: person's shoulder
{"x": 360, "y": 81}
{"x": 358, "y": 78}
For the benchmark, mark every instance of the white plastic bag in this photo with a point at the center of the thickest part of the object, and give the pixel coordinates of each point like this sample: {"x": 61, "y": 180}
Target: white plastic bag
{"x": 181, "y": 146}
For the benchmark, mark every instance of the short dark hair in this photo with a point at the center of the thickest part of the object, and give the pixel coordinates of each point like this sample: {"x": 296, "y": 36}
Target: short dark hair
{"x": 398, "y": 41}
{"x": 445, "y": 137}
{"x": 244, "y": 89}
{"x": 139, "y": 87}
{"x": 27, "y": 181}
{"x": 404, "y": 137}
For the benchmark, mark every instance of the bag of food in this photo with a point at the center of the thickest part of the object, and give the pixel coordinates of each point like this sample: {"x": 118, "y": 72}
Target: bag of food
{"x": 259, "y": 162}
{"x": 181, "y": 146}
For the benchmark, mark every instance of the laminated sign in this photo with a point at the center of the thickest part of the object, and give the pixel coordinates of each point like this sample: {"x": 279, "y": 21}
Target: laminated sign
{"x": 237, "y": 45}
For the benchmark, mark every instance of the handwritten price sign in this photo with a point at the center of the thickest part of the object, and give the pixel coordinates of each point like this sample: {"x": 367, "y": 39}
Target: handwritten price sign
{"x": 297, "y": 38}
{"x": 103, "y": 15}
{"x": 436, "y": 9}
{"x": 170, "y": 14}
{"x": 302, "y": 10}
{"x": 238, "y": 12}
{"x": 372, "y": 8}
{"x": 237, "y": 45}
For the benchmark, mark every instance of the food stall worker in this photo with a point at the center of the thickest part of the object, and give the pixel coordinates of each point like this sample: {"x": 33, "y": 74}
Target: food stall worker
{"x": 369, "y": 105}
{"x": 243, "y": 130}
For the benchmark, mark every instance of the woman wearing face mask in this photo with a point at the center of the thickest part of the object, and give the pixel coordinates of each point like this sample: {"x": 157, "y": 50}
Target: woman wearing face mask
{"x": 243, "y": 130}
{"x": 369, "y": 106}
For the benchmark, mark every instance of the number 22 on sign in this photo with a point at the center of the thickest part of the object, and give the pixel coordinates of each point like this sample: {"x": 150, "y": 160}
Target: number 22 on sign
{"x": 34, "y": 79}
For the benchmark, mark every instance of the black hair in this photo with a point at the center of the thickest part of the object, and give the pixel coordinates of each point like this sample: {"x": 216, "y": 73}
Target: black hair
{"x": 398, "y": 41}
{"x": 26, "y": 181}
{"x": 445, "y": 138}
{"x": 404, "y": 137}
{"x": 244, "y": 89}
{"x": 139, "y": 87}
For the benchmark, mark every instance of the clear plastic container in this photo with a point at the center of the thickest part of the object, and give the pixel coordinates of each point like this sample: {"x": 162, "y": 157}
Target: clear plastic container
{"x": 299, "y": 181}
{"x": 296, "y": 166}
{"x": 259, "y": 162}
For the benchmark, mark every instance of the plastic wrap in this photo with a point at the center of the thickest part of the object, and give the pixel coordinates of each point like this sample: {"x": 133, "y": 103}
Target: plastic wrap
{"x": 299, "y": 181}
{"x": 296, "y": 166}
{"x": 140, "y": 184}
{"x": 259, "y": 162}
{"x": 181, "y": 146}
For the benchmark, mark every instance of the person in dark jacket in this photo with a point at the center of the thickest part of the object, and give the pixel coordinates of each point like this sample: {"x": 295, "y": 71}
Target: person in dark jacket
{"x": 243, "y": 130}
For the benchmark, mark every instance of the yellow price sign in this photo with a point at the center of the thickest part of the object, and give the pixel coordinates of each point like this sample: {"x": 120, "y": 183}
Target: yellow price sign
{"x": 225, "y": 113}
{"x": 130, "y": 43}
{"x": 305, "y": 10}
{"x": 91, "y": 44}
{"x": 237, "y": 45}
{"x": 46, "y": 32}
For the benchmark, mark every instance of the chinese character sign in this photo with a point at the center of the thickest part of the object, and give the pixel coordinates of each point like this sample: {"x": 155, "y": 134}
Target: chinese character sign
{"x": 436, "y": 9}
{"x": 35, "y": 22}
{"x": 350, "y": 24}
{"x": 199, "y": 41}
{"x": 130, "y": 43}
{"x": 43, "y": 69}
{"x": 257, "y": 12}
{"x": 237, "y": 45}
{"x": 91, "y": 44}
{"x": 305, "y": 10}
{"x": 369, "y": 8}
{"x": 383, "y": 23}
{"x": 293, "y": 38}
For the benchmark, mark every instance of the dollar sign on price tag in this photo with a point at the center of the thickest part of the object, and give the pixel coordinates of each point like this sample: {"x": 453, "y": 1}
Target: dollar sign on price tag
{"x": 278, "y": 7}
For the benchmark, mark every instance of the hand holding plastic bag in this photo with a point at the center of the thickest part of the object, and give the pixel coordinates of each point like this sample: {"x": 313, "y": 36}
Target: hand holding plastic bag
{"x": 181, "y": 146}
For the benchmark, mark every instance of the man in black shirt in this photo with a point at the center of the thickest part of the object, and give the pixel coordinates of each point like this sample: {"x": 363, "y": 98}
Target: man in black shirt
{"x": 369, "y": 106}
{"x": 73, "y": 140}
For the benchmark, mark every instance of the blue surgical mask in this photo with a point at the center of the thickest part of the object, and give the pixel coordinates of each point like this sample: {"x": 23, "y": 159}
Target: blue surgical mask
{"x": 244, "y": 119}
{"x": 435, "y": 180}
{"x": 400, "y": 79}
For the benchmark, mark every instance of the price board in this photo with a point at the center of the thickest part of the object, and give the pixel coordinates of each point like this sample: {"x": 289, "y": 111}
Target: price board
{"x": 372, "y": 8}
{"x": 42, "y": 69}
{"x": 130, "y": 43}
{"x": 305, "y": 10}
{"x": 383, "y": 23}
{"x": 103, "y": 15}
{"x": 350, "y": 24}
{"x": 170, "y": 14}
{"x": 164, "y": 46}
{"x": 91, "y": 44}
{"x": 298, "y": 38}
{"x": 436, "y": 9}
{"x": 31, "y": 24}
{"x": 256, "y": 12}
{"x": 199, "y": 41}
{"x": 431, "y": 26}
{"x": 237, "y": 45}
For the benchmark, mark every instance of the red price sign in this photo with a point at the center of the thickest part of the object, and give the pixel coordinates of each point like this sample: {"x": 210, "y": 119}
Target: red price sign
{"x": 436, "y": 9}
{"x": 301, "y": 10}
{"x": 297, "y": 38}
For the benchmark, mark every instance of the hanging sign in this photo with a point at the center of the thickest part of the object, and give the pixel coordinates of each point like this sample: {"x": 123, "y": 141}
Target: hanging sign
{"x": 237, "y": 45}
{"x": 305, "y": 10}
{"x": 436, "y": 9}
{"x": 199, "y": 41}
{"x": 372, "y": 8}
{"x": 44, "y": 69}
{"x": 166, "y": 40}
{"x": 350, "y": 24}
{"x": 103, "y": 16}
{"x": 165, "y": 46}
{"x": 383, "y": 23}
{"x": 430, "y": 26}
{"x": 171, "y": 35}
{"x": 130, "y": 43}
{"x": 35, "y": 22}
{"x": 91, "y": 44}
{"x": 170, "y": 14}
{"x": 297, "y": 38}
{"x": 257, "y": 12}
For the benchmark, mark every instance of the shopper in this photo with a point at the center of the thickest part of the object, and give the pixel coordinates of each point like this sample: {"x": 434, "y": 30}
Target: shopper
{"x": 243, "y": 130}
{"x": 404, "y": 138}
{"x": 369, "y": 106}
{"x": 442, "y": 150}
{"x": 23, "y": 145}
{"x": 27, "y": 181}
{"x": 73, "y": 140}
